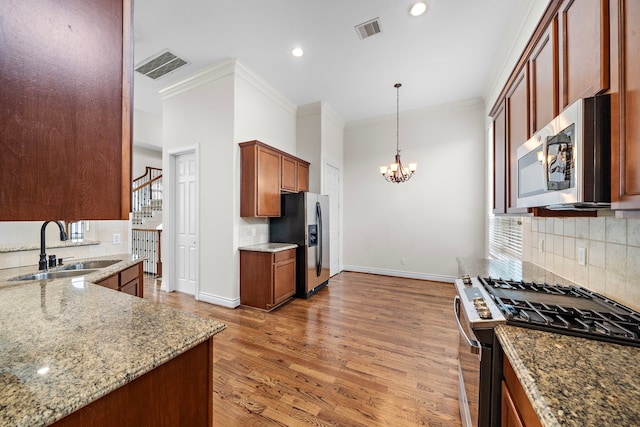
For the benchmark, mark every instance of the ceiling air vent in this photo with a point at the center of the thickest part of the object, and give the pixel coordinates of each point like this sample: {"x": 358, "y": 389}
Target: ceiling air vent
{"x": 160, "y": 65}
{"x": 369, "y": 28}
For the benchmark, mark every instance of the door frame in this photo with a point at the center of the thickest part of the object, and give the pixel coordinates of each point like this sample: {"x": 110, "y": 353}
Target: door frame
{"x": 169, "y": 218}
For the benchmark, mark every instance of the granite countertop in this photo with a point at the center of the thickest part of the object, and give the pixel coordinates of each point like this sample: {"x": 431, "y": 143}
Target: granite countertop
{"x": 67, "y": 342}
{"x": 509, "y": 269}
{"x": 269, "y": 247}
{"x": 575, "y": 381}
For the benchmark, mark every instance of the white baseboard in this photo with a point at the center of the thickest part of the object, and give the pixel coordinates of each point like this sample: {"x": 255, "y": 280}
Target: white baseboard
{"x": 398, "y": 273}
{"x": 217, "y": 300}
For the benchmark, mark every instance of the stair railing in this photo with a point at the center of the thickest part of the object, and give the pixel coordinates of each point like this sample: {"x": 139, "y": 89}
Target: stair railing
{"x": 146, "y": 188}
{"x": 146, "y": 243}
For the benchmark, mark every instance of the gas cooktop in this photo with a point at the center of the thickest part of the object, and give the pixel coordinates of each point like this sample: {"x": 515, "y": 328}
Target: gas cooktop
{"x": 569, "y": 310}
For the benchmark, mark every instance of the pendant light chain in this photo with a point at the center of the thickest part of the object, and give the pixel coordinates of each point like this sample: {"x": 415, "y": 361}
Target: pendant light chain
{"x": 397, "y": 86}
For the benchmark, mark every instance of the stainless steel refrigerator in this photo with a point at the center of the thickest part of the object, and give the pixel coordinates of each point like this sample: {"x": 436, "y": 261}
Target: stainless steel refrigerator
{"x": 304, "y": 220}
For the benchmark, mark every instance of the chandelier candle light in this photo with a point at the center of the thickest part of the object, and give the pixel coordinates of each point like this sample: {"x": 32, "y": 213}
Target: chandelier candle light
{"x": 395, "y": 172}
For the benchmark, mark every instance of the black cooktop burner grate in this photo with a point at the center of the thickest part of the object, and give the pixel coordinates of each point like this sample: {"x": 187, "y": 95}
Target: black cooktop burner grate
{"x": 568, "y": 310}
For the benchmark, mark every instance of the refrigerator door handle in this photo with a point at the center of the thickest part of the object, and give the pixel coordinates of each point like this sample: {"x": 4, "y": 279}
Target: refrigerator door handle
{"x": 320, "y": 243}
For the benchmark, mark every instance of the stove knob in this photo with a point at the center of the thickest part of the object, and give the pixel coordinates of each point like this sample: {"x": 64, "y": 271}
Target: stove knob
{"x": 466, "y": 279}
{"x": 484, "y": 313}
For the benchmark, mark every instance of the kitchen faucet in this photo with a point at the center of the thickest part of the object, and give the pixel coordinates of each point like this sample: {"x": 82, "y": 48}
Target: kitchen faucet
{"x": 42, "y": 264}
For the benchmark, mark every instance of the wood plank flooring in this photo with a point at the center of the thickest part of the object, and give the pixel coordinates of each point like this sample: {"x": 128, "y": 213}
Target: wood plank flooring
{"x": 367, "y": 350}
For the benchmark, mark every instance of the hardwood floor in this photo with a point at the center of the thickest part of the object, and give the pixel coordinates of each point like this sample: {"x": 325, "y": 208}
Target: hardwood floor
{"x": 365, "y": 351}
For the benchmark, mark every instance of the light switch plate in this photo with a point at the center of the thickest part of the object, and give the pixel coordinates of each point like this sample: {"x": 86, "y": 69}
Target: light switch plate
{"x": 116, "y": 238}
{"x": 541, "y": 245}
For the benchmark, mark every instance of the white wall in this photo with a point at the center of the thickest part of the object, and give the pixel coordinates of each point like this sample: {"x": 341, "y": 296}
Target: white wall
{"x": 143, "y": 157}
{"x": 430, "y": 220}
{"x": 309, "y": 142}
{"x": 215, "y": 109}
{"x": 147, "y": 129}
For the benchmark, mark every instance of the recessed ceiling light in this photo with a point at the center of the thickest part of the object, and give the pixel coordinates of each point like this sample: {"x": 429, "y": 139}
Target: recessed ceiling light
{"x": 297, "y": 51}
{"x": 418, "y": 9}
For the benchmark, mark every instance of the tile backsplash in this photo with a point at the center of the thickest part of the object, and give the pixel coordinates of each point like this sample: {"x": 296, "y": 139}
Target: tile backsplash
{"x": 611, "y": 249}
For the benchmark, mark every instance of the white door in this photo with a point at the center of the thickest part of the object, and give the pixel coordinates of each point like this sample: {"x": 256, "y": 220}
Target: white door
{"x": 186, "y": 232}
{"x": 332, "y": 188}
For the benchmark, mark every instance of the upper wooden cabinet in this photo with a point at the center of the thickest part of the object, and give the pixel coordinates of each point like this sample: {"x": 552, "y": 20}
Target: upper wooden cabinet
{"x": 517, "y": 124}
{"x": 265, "y": 171}
{"x": 543, "y": 78}
{"x": 584, "y": 49}
{"x": 65, "y": 110}
{"x": 500, "y": 161}
{"x": 625, "y": 106}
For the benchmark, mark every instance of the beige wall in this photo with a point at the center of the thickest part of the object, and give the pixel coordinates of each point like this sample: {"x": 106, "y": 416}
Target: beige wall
{"x": 612, "y": 253}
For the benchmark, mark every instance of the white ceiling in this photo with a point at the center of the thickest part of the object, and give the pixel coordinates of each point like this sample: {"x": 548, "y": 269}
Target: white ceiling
{"x": 451, "y": 53}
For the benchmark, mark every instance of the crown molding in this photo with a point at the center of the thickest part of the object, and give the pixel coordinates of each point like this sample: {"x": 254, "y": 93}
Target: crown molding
{"x": 263, "y": 87}
{"x": 208, "y": 74}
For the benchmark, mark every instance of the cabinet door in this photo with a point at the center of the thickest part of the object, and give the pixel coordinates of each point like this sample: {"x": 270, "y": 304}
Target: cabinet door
{"x": 625, "y": 126}
{"x": 303, "y": 177}
{"x": 65, "y": 116}
{"x": 510, "y": 416}
{"x": 288, "y": 181}
{"x": 284, "y": 280}
{"x": 584, "y": 49}
{"x": 499, "y": 162}
{"x": 112, "y": 282}
{"x": 268, "y": 196}
{"x": 544, "y": 79}
{"x": 517, "y": 106}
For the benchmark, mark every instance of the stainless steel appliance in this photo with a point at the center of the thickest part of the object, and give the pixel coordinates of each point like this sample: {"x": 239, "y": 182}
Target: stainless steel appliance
{"x": 483, "y": 303}
{"x": 304, "y": 220}
{"x": 566, "y": 164}
{"x": 476, "y": 316}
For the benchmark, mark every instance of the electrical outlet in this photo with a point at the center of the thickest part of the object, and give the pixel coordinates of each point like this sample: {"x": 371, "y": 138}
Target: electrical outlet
{"x": 582, "y": 256}
{"x": 115, "y": 238}
{"x": 402, "y": 261}
{"x": 541, "y": 245}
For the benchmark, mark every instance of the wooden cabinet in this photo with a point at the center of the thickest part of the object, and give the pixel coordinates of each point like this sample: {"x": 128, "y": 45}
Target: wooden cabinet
{"x": 303, "y": 176}
{"x": 517, "y": 126}
{"x": 65, "y": 110}
{"x": 129, "y": 280}
{"x": 289, "y": 174}
{"x": 625, "y": 107}
{"x": 259, "y": 180}
{"x": 176, "y": 393}
{"x": 265, "y": 172}
{"x": 543, "y": 78}
{"x": 516, "y": 408}
{"x": 584, "y": 49}
{"x": 500, "y": 162}
{"x": 267, "y": 279}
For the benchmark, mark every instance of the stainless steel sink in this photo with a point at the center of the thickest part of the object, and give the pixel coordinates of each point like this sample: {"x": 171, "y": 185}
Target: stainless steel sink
{"x": 45, "y": 275}
{"x": 86, "y": 265}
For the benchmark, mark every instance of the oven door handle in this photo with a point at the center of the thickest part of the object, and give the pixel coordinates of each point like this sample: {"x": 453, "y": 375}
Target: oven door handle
{"x": 474, "y": 345}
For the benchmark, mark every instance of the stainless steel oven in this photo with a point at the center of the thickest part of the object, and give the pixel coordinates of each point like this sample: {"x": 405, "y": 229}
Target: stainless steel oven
{"x": 476, "y": 321}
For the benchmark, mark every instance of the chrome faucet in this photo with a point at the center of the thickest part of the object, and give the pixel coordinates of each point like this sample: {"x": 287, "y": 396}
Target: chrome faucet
{"x": 42, "y": 264}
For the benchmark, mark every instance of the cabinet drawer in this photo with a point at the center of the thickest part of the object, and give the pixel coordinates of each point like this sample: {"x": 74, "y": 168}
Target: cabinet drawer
{"x": 284, "y": 255}
{"x": 130, "y": 288}
{"x": 129, "y": 274}
{"x": 110, "y": 282}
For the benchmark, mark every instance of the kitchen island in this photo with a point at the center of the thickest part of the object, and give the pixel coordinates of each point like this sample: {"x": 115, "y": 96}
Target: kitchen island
{"x": 70, "y": 348}
{"x": 568, "y": 380}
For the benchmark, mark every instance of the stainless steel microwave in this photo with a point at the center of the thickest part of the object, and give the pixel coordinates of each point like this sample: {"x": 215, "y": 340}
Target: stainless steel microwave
{"x": 566, "y": 164}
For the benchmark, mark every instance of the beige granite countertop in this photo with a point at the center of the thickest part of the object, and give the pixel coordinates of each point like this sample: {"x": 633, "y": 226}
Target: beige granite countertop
{"x": 269, "y": 247}
{"x": 67, "y": 342}
{"x": 575, "y": 381}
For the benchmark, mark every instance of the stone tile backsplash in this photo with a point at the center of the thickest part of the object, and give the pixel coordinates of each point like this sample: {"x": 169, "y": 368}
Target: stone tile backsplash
{"x": 612, "y": 245}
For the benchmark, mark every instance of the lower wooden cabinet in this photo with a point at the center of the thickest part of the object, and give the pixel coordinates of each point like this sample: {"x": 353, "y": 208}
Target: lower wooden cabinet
{"x": 267, "y": 279}
{"x": 517, "y": 410}
{"x": 129, "y": 281}
{"x": 176, "y": 393}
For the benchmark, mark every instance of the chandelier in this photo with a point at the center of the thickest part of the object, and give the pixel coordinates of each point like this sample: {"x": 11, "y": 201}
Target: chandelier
{"x": 395, "y": 172}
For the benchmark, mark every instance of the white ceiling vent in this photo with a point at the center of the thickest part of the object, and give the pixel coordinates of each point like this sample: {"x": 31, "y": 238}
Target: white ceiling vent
{"x": 369, "y": 28}
{"x": 160, "y": 65}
